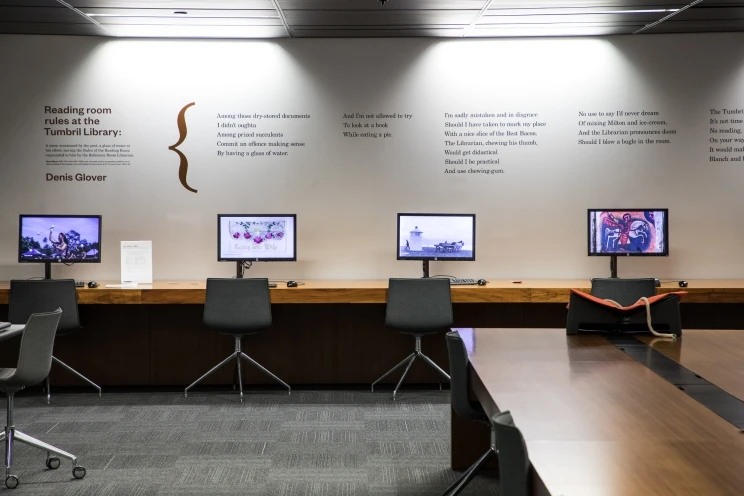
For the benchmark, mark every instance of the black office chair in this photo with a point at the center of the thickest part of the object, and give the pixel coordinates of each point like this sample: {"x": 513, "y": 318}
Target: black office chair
{"x": 34, "y": 362}
{"x": 459, "y": 387}
{"x": 418, "y": 307}
{"x": 29, "y": 296}
{"x": 624, "y": 291}
{"x": 237, "y": 307}
{"x": 514, "y": 464}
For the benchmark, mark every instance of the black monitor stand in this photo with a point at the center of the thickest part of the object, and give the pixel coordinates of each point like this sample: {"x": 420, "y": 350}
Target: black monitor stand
{"x": 613, "y": 266}
{"x": 425, "y": 264}
{"x": 47, "y": 270}
{"x": 241, "y": 268}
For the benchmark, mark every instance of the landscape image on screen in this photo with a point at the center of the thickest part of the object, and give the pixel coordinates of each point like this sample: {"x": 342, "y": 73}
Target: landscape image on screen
{"x": 623, "y": 232}
{"x": 67, "y": 239}
{"x": 430, "y": 236}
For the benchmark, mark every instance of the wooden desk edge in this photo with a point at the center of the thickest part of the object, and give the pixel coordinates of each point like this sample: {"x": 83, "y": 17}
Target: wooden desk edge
{"x": 363, "y": 292}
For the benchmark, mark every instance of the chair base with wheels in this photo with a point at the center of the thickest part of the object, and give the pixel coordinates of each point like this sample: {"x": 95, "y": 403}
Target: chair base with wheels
{"x": 71, "y": 370}
{"x": 409, "y": 360}
{"x": 11, "y": 435}
{"x": 457, "y": 486}
{"x": 236, "y": 356}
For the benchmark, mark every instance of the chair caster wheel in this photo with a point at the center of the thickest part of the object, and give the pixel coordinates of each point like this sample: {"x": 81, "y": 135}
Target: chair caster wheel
{"x": 52, "y": 463}
{"x": 78, "y": 472}
{"x": 11, "y": 482}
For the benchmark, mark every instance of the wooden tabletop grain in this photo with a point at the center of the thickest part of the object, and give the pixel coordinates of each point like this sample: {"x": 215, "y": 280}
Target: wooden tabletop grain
{"x": 715, "y": 355}
{"x": 598, "y": 423}
{"x": 375, "y": 291}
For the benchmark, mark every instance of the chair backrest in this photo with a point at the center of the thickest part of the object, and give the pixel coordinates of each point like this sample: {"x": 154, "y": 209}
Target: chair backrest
{"x": 459, "y": 378}
{"x": 514, "y": 464}
{"x": 35, "y": 355}
{"x": 624, "y": 291}
{"x": 28, "y": 297}
{"x": 419, "y": 305}
{"x": 237, "y": 306}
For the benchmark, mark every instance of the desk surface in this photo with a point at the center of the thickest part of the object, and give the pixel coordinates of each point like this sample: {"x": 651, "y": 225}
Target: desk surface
{"x": 375, "y": 291}
{"x": 597, "y": 423}
{"x": 11, "y": 331}
{"x": 715, "y": 355}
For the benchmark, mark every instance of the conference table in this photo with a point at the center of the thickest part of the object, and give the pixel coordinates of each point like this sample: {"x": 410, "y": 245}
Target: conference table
{"x": 12, "y": 331}
{"x": 599, "y": 423}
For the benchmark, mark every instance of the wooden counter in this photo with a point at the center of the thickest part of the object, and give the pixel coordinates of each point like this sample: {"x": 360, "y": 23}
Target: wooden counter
{"x": 375, "y": 291}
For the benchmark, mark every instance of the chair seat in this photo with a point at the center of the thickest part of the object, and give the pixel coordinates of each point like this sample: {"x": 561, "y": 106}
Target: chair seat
{"x": 236, "y": 334}
{"x": 420, "y": 332}
{"x": 6, "y": 374}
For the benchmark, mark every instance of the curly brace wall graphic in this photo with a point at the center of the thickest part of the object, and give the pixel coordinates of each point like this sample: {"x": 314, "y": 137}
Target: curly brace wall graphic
{"x": 183, "y": 169}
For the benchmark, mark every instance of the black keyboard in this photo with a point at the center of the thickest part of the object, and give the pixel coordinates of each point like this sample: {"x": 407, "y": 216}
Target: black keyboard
{"x": 79, "y": 284}
{"x": 462, "y": 282}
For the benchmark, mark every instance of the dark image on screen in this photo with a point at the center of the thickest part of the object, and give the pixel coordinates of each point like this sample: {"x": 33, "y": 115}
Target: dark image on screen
{"x": 72, "y": 239}
{"x": 628, "y": 232}
{"x": 436, "y": 236}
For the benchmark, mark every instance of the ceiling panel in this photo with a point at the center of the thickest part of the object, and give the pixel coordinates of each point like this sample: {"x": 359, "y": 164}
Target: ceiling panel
{"x": 170, "y": 31}
{"x": 365, "y": 18}
{"x": 39, "y": 14}
{"x": 380, "y": 33}
{"x": 48, "y": 28}
{"x": 208, "y": 21}
{"x": 374, "y": 5}
{"x": 378, "y": 18}
{"x": 30, "y": 3}
{"x": 172, "y": 4}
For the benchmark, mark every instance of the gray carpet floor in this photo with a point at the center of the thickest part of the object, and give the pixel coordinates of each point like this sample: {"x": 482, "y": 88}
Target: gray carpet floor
{"x": 312, "y": 443}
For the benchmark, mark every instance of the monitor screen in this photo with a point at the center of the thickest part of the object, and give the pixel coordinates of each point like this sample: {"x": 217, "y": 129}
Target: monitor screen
{"x": 59, "y": 238}
{"x": 436, "y": 236}
{"x": 639, "y": 232}
{"x": 256, "y": 238}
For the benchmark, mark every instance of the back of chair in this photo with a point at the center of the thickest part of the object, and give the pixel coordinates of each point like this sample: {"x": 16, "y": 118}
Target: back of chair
{"x": 28, "y": 297}
{"x": 35, "y": 355}
{"x": 514, "y": 464}
{"x": 624, "y": 291}
{"x": 459, "y": 378}
{"x": 419, "y": 305}
{"x": 237, "y": 306}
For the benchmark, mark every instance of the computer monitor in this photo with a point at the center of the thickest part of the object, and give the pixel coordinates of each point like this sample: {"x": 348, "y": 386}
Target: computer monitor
{"x": 64, "y": 239}
{"x": 631, "y": 232}
{"x": 256, "y": 238}
{"x": 429, "y": 237}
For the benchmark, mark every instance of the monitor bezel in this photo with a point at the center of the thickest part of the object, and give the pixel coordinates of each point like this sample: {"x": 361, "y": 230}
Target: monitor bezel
{"x": 437, "y": 259}
{"x": 256, "y": 259}
{"x": 58, "y": 260}
{"x": 589, "y": 232}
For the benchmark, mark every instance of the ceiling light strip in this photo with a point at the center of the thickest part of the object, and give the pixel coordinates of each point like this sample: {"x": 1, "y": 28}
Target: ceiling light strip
{"x": 649, "y": 26}
{"x": 83, "y": 14}
{"x": 472, "y": 24}
{"x": 284, "y": 19}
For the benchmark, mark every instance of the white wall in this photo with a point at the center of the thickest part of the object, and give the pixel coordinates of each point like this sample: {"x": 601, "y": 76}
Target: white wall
{"x": 531, "y": 220}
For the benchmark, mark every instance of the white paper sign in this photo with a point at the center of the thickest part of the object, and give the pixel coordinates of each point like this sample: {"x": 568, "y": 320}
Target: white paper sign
{"x": 136, "y": 262}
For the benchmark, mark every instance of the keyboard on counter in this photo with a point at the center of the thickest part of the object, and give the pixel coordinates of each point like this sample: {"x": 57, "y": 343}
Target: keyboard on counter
{"x": 462, "y": 282}
{"x": 79, "y": 284}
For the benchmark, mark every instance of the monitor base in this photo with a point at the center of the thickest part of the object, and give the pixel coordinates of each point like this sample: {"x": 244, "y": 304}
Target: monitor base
{"x": 241, "y": 267}
{"x": 425, "y": 265}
